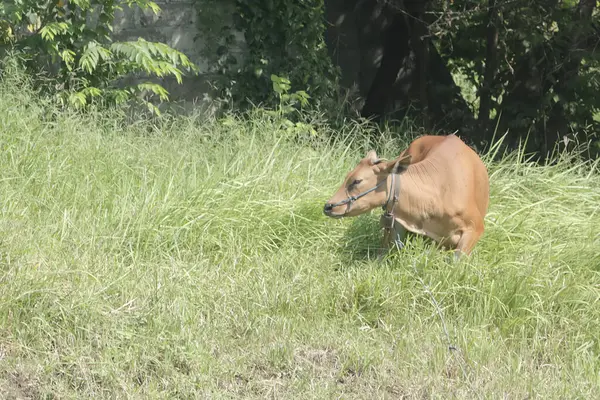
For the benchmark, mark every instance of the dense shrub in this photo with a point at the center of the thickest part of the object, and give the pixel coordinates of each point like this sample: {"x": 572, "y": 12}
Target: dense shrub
{"x": 67, "y": 47}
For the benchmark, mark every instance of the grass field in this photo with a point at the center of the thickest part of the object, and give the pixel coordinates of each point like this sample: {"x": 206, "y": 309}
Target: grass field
{"x": 192, "y": 260}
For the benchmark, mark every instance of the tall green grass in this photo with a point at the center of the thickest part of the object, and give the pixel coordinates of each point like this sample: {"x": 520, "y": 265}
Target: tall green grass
{"x": 191, "y": 259}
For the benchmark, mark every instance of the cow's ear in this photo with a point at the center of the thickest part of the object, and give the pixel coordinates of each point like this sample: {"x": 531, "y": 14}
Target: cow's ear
{"x": 394, "y": 166}
{"x": 372, "y": 157}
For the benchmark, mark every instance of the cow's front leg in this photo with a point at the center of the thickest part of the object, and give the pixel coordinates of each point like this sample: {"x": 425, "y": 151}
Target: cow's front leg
{"x": 399, "y": 235}
{"x": 393, "y": 234}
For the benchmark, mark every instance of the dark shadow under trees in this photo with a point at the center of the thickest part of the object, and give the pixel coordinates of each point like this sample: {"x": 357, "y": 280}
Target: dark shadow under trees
{"x": 534, "y": 65}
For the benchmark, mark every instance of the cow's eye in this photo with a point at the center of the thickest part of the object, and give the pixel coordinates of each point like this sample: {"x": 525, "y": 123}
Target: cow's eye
{"x": 356, "y": 182}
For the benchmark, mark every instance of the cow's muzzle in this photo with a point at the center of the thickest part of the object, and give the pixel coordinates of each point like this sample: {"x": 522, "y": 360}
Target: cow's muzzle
{"x": 328, "y": 210}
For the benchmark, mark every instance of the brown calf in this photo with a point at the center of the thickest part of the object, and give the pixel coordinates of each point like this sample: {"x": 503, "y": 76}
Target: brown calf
{"x": 438, "y": 187}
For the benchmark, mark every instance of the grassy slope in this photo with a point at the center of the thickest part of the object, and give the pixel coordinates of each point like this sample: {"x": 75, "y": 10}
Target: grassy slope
{"x": 196, "y": 261}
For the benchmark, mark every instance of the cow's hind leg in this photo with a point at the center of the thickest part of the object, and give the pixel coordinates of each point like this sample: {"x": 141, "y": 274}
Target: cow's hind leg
{"x": 467, "y": 241}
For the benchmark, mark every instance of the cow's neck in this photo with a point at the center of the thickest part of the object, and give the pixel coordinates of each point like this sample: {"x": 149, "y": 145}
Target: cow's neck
{"x": 418, "y": 191}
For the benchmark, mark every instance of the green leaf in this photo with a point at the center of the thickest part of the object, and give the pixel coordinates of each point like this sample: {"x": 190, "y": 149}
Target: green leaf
{"x": 91, "y": 91}
{"x": 93, "y": 53}
{"x": 152, "y": 108}
{"x": 155, "y": 58}
{"x": 50, "y": 31}
{"x": 77, "y": 99}
{"x": 68, "y": 56}
{"x": 155, "y": 88}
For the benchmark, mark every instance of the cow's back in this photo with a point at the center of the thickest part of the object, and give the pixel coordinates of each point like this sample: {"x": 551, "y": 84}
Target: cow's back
{"x": 422, "y": 146}
{"x": 463, "y": 173}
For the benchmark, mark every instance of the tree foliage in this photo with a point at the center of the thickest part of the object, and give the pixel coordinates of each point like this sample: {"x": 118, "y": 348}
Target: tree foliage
{"x": 67, "y": 47}
{"x": 543, "y": 60}
{"x": 282, "y": 38}
{"x": 529, "y": 67}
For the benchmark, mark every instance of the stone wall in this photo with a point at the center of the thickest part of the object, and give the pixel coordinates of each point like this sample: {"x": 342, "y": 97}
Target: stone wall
{"x": 176, "y": 25}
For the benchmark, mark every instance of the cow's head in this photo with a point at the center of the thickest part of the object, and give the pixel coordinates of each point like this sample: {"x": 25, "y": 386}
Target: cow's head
{"x": 365, "y": 187}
